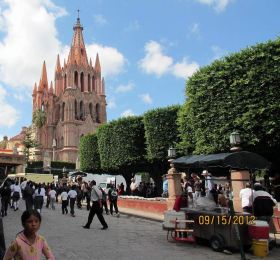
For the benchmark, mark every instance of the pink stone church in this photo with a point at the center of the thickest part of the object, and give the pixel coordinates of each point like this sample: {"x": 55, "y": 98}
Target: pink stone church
{"x": 75, "y": 104}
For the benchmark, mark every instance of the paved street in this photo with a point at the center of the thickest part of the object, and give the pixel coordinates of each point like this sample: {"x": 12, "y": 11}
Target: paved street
{"x": 127, "y": 238}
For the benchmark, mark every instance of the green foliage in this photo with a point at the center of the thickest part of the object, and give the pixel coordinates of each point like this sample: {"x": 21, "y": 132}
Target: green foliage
{"x": 39, "y": 118}
{"x": 239, "y": 92}
{"x": 29, "y": 142}
{"x": 161, "y": 131}
{"x": 89, "y": 154}
{"x": 62, "y": 164}
{"x": 121, "y": 144}
{"x": 34, "y": 167}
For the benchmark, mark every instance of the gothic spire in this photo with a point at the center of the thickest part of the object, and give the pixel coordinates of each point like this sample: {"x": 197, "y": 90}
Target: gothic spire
{"x": 97, "y": 64}
{"x": 44, "y": 79}
{"x": 77, "y": 52}
{"x": 58, "y": 67}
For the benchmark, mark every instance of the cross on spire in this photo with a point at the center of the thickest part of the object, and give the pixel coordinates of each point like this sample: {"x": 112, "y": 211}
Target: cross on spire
{"x": 78, "y": 13}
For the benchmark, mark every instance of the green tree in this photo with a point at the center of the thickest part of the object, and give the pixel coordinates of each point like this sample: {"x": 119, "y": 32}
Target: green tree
{"x": 239, "y": 92}
{"x": 89, "y": 154}
{"x": 161, "y": 132}
{"x": 121, "y": 145}
{"x": 29, "y": 142}
{"x": 39, "y": 118}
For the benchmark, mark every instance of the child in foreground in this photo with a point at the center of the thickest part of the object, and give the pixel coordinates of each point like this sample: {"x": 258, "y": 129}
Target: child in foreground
{"x": 28, "y": 245}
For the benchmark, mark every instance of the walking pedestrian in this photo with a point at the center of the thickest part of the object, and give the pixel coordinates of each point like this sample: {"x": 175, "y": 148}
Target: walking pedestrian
{"x": 28, "y": 244}
{"x": 104, "y": 201}
{"x": 28, "y": 195}
{"x": 5, "y": 193}
{"x": 52, "y": 194}
{"x": 64, "y": 201}
{"x": 96, "y": 197}
{"x": 39, "y": 196}
{"x": 113, "y": 199}
{"x": 16, "y": 195}
{"x": 72, "y": 194}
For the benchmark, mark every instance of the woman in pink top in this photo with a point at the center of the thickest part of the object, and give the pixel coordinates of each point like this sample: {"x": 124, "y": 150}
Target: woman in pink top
{"x": 28, "y": 245}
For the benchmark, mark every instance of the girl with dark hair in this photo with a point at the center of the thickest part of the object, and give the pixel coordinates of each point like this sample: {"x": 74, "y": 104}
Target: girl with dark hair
{"x": 16, "y": 195}
{"x": 28, "y": 245}
{"x": 39, "y": 197}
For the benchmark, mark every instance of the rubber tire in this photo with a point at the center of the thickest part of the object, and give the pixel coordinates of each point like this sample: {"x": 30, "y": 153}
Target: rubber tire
{"x": 217, "y": 243}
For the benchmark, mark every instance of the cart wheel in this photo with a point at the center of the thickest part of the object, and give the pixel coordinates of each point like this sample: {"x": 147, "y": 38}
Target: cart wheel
{"x": 217, "y": 243}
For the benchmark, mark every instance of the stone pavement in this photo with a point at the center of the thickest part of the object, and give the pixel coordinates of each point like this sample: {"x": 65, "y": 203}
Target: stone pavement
{"x": 127, "y": 238}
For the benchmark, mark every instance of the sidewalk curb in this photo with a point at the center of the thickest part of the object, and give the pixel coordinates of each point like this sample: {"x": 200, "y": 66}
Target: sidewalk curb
{"x": 132, "y": 214}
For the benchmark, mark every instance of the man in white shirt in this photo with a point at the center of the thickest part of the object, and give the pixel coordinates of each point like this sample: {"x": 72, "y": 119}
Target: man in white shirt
{"x": 52, "y": 194}
{"x": 96, "y": 208}
{"x": 133, "y": 187}
{"x": 64, "y": 201}
{"x": 72, "y": 194}
{"x": 246, "y": 198}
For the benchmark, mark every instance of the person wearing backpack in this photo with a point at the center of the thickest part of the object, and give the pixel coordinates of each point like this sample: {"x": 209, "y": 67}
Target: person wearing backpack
{"x": 113, "y": 199}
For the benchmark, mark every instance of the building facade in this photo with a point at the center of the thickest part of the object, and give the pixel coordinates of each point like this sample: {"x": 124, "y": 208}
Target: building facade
{"x": 74, "y": 105}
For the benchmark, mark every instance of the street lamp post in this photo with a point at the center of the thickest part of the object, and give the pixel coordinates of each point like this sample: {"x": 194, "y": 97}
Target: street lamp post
{"x": 174, "y": 179}
{"x": 53, "y": 147}
{"x": 235, "y": 141}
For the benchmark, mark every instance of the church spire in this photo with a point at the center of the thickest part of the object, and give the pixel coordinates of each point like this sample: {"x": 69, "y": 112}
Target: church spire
{"x": 97, "y": 64}
{"x": 58, "y": 67}
{"x": 77, "y": 52}
{"x": 44, "y": 78}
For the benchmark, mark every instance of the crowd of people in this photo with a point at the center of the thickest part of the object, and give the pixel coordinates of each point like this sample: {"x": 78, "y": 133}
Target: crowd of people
{"x": 36, "y": 195}
{"x": 256, "y": 198}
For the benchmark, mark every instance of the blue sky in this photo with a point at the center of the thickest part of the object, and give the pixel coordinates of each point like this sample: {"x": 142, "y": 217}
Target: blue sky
{"x": 147, "y": 48}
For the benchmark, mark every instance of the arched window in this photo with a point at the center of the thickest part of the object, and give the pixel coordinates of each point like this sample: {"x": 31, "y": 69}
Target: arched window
{"x": 62, "y": 142}
{"x": 76, "y": 109}
{"x": 81, "y": 110}
{"x": 65, "y": 81}
{"x": 90, "y": 110}
{"x": 57, "y": 116}
{"x": 82, "y": 82}
{"x": 89, "y": 85}
{"x": 97, "y": 113}
{"x": 93, "y": 84}
{"x": 62, "y": 112}
{"x": 76, "y": 79}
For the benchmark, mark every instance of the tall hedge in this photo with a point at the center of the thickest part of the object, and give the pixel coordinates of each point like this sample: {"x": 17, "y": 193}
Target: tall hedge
{"x": 239, "y": 92}
{"x": 121, "y": 144}
{"x": 89, "y": 154}
{"x": 161, "y": 131}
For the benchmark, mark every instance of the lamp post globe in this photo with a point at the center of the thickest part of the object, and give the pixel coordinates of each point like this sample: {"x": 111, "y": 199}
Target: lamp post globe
{"x": 172, "y": 152}
{"x": 235, "y": 141}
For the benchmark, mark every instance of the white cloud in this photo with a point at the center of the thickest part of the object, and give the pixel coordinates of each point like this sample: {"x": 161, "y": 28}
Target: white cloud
{"x": 111, "y": 103}
{"x": 194, "y": 30}
{"x": 111, "y": 60}
{"x": 155, "y": 62}
{"x": 146, "y": 98}
{"x": 185, "y": 69}
{"x": 9, "y": 115}
{"x": 20, "y": 97}
{"x": 218, "y": 52}
{"x": 100, "y": 19}
{"x": 125, "y": 88}
{"x": 30, "y": 38}
{"x": 127, "y": 113}
{"x": 218, "y": 5}
{"x": 133, "y": 26}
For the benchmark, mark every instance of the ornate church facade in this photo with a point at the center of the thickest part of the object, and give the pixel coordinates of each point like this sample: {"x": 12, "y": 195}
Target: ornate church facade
{"x": 74, "y": 105}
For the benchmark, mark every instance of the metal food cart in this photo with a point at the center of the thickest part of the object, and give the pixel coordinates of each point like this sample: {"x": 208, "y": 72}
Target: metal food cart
{"x": 219, "y": 228}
